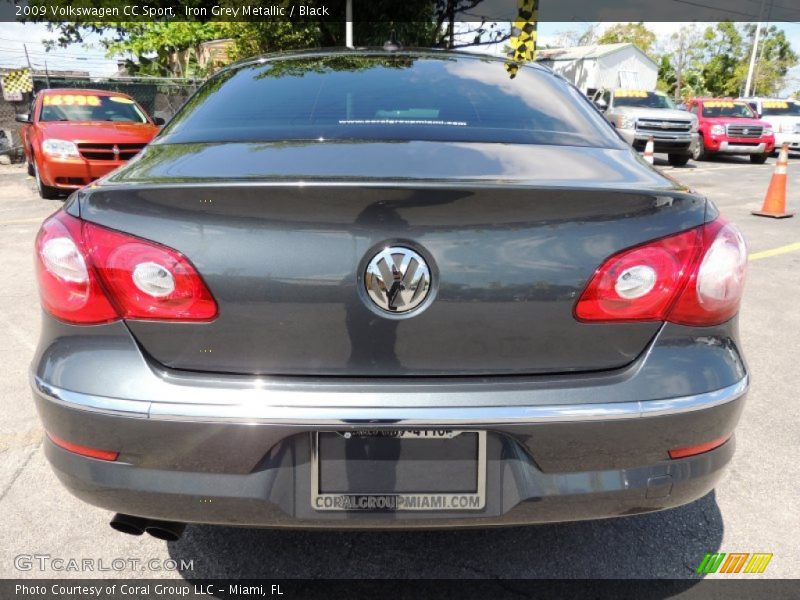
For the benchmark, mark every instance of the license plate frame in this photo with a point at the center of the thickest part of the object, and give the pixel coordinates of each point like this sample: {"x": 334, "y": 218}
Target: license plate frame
{"x": 405, "y": 501}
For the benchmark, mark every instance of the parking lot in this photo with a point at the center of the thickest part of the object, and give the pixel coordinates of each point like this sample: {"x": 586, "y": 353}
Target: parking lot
{"x": 753, "y": 509}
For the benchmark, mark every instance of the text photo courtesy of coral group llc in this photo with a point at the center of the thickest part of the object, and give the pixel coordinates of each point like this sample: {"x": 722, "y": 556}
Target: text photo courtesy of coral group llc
{"x": 399, "y": 299}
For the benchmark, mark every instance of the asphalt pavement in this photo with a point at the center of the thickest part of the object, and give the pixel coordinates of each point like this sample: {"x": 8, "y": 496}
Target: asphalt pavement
{"x": 753, "y": 509}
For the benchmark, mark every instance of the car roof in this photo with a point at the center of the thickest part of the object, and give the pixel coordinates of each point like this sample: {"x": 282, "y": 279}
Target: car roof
{"x": 49, "y": 91}
{"x": 431, "y": 53}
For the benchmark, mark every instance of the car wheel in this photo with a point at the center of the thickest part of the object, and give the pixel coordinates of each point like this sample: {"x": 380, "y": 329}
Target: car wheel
{"x": 678, "y": 160}
{"x": 45, "y": 191}
{"x": 31, "y": 171}
{"x": 758, "y": 159}
{"x": 699, "y": 151}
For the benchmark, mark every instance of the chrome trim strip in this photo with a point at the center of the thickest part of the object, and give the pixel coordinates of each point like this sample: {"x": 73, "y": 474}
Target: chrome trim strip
{"x": 100, "y": 404}
{"x": 322, "y": 416}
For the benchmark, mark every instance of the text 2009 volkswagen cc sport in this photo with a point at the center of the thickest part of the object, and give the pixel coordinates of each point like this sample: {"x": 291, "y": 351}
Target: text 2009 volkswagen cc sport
{"x": 387, "y": 289}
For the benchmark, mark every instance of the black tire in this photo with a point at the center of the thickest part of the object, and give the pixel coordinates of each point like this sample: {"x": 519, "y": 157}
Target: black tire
{"x": 699, "y": 152}
{"x": 758, "y": 159}
{"x": 31, "y": 171}
{"x": 678, "y": 160}
{"x": 45, "y": 191}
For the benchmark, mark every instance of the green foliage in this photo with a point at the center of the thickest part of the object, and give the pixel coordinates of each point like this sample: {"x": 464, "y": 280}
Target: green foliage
{"x": 171, "y": 48}
{"x": 725, "y": 64}
{"x": 715, "y": 62}
{"x": 776, "y": 57}
{"x": 681, "y": 63}
{"x": 634, "y": 33}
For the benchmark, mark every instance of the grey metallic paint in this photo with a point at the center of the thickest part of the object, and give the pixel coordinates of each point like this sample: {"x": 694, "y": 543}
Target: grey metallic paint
{"x": 285, "y": 261}
{"x": 280, "y": 232}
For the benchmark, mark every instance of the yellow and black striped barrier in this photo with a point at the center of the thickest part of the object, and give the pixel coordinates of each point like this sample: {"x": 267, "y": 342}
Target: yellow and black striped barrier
{"x": 523, "y": 36}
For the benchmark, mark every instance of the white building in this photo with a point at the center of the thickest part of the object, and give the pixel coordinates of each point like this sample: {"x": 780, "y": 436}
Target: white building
{"x": 602, "y": 66}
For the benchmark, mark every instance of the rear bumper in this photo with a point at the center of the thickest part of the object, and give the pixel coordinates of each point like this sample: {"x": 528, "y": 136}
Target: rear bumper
{"x": 74, "y": 173}
{"x": 228, "y": 450}
{"x": 278, "y": 492}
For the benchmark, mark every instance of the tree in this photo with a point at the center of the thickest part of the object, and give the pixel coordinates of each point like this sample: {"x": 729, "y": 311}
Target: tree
{"x": 170, "y": 48}
{"x": 575, "y": 37}
{"x": 634, "y": 33}
{"x": 726, "y": 59}
{"x": 724, "y": 55}
{"x": 775, "y": 58}
{"x": 682, "y": 60}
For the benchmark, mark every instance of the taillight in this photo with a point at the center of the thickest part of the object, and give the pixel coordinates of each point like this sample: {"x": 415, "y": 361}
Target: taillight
{"x": 68, "y": 286}
{"x": 147, "y": 280}
{"x": 89, "y": 274}
{"x": 693, "y": 278}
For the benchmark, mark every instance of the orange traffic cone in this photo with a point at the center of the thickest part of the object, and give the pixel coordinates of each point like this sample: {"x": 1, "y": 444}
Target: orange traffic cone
{"x": 648, "y": 150}
{"x": 775, "y": 201}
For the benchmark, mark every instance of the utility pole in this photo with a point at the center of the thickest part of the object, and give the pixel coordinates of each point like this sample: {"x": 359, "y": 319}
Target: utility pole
{"x": 46, "y": 74}
{"x": 348, "y": 26}
{"x": 27, "y": 58}
{"x": 754, "y": 53}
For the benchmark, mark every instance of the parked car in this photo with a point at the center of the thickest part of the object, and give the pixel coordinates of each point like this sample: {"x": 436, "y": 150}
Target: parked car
{"x": 387, "y": 289}
{"x": 639, "y": 115}
{"x": 730, "y": 127}
{"x": 784, "y": 117}
{"x": 71, "y": 137}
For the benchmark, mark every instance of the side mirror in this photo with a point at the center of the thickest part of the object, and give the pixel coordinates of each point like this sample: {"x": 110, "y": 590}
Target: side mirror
{"x": 160, "y": 121}
{"x": 601, "y": 104}
{"x": 23, "y": 118}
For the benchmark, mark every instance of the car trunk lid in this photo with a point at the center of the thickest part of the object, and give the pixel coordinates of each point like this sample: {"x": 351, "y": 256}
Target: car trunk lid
{"x": 283, "y": 248}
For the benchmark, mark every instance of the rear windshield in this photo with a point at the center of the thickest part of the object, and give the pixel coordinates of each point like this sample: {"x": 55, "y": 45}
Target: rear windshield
{"x": 722, "y": 108}
{"x": 397, "y": 97}
{"x": 642, "y": 99}
{"x": 90, "y": 107}
{"x": 784, "y": 108}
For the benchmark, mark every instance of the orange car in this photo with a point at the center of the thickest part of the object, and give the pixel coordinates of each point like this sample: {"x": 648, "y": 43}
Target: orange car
{"x": 73, "y": 136}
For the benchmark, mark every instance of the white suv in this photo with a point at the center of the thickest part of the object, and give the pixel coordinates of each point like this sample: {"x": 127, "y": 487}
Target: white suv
{"x": 783, "y": 115}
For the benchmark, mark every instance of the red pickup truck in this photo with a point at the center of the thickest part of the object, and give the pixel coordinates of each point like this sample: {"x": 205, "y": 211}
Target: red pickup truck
{"x": 73, "y": 136}
{"x": 730, "y": 127}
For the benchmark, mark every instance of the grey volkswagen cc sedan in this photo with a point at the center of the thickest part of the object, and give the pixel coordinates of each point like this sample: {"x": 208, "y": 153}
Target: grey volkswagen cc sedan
{"x": 387, "y": 289}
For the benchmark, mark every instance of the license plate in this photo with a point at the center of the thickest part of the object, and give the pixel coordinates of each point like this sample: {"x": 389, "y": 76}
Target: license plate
{"x": 398, "y": 470}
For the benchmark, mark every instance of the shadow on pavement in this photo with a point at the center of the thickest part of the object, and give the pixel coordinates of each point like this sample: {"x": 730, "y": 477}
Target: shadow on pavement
{"x": 668, "y": 544}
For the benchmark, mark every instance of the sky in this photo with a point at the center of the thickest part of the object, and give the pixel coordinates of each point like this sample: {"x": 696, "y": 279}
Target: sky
{"x": 94, "y": 60}
{"x": 12, "y": 52}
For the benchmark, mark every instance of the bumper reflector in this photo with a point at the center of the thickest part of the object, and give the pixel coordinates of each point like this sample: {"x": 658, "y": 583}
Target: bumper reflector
{"x": 699, "y": 448}
{"x": 83, "y": 450}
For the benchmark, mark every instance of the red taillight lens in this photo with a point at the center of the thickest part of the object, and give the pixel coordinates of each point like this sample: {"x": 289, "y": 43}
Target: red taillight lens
{"x": 147, "y": 280}
{"x": 68, "y": 286}
{"x": 89, "y": 274}
{"x": 714, "y": 289}
{"x": 694, "y": 278}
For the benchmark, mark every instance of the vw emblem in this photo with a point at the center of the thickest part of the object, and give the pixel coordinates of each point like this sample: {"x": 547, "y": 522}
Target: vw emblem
{"x": 115, "y": 150}
{"x": 664, "y": 125}
{"x": 745, "y": 131}
{"x": 397, "y": 279}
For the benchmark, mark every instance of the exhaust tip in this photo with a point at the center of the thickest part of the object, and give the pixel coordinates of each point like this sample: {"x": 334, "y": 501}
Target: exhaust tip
{"x": 165, "y": 530}
{"x": 128, "y": 524}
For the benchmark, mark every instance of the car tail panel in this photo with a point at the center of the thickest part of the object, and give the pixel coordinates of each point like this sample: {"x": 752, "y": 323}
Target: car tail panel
{"x": 286, "y": 263}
